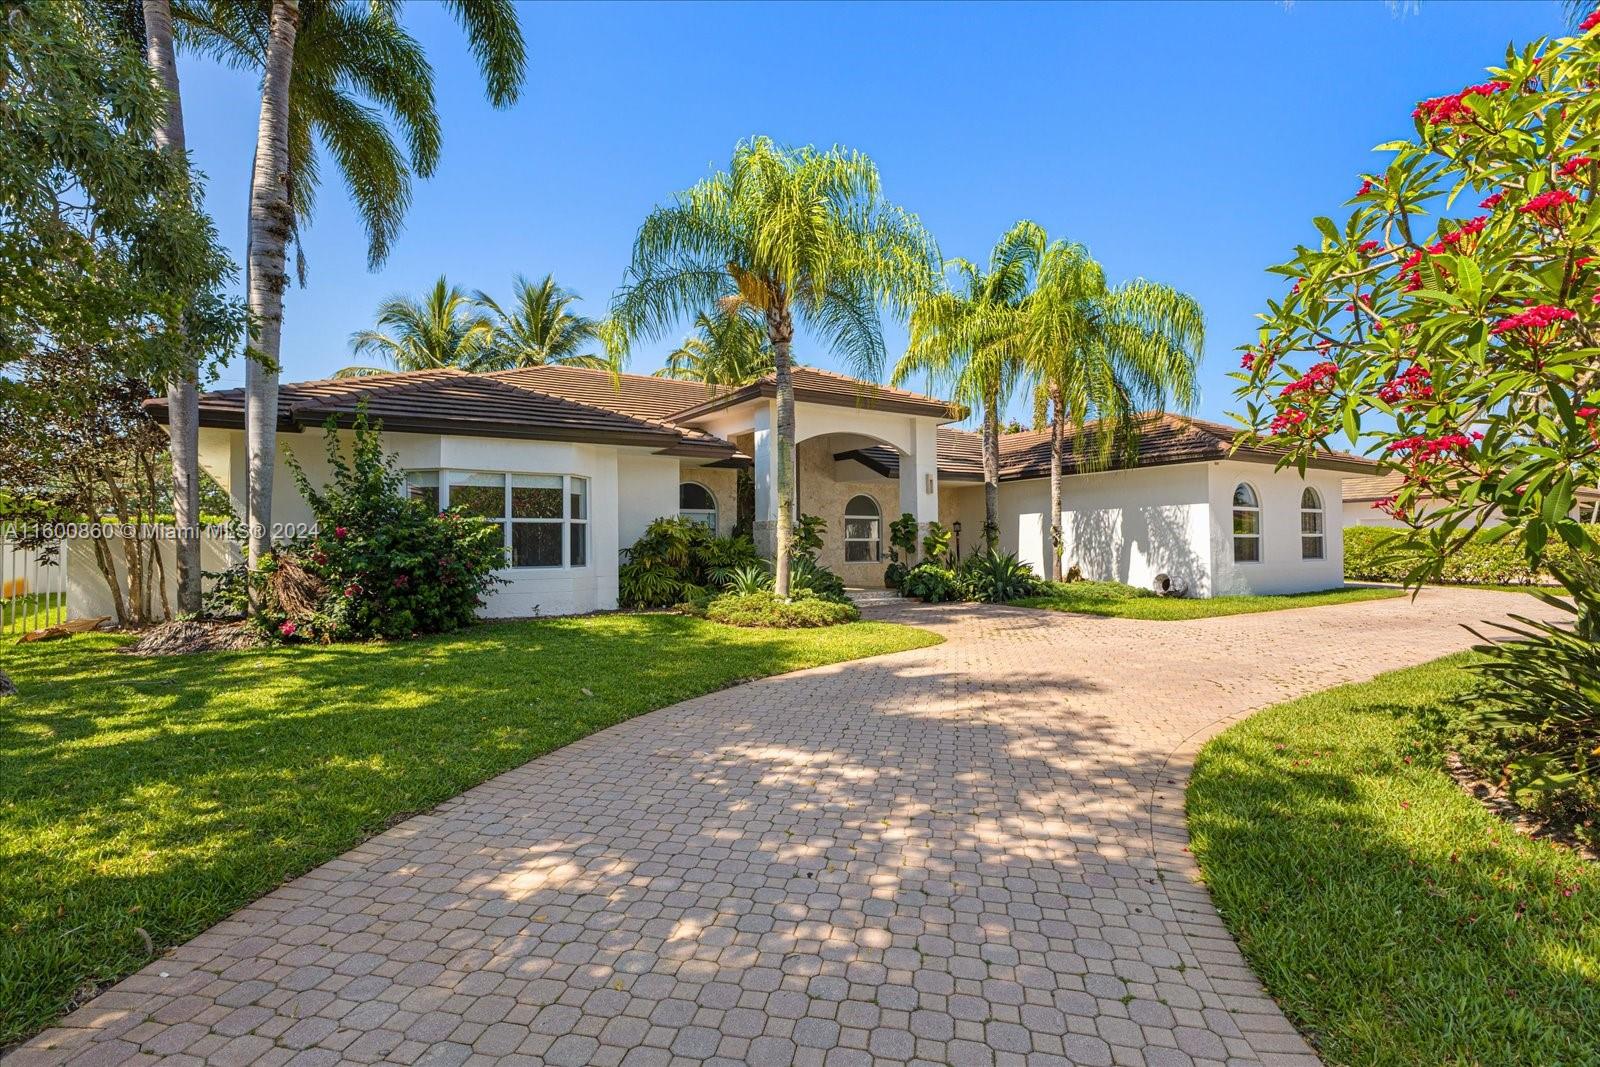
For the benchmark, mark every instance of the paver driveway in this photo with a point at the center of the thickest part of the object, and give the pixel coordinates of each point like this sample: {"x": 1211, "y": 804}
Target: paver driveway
{"x": 965, "y": 854}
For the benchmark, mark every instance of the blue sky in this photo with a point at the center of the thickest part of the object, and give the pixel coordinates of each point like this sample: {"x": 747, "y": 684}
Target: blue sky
{"x": 1186, "y": 143}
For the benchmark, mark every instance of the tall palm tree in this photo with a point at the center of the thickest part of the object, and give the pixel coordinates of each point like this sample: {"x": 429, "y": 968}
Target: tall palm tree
{"x": 793, "y": 232}
{"x": 315, "y": 87}
{"x": 1103, "y": 354}
{"x": 183, "y": 391}
{"x": 445, "y": 328}
{"x": 540, "y": 329}
{"x": 728, "y": 349}
{"x": 969, "y": 336}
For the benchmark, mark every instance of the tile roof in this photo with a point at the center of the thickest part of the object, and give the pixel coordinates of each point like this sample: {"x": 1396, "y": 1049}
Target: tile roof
{"x": 815, "y": 386}
{"x": 1379, "y": 486}
{"x": 451, "y": 401}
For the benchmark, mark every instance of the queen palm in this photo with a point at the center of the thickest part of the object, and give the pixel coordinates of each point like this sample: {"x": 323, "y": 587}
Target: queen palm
{"x": 446, "y": 328}
{"x": 794, "y": 233}
{"x": 968, "y": 335}
{"x": 339, "y": 73}
{"x": 728, "y": 349}
{"x": 542, "y": 329}
{"x": 1103, "y": 354}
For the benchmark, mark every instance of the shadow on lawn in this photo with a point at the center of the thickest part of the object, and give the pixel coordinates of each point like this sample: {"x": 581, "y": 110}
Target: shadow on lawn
{"x": 1392, "y": 917}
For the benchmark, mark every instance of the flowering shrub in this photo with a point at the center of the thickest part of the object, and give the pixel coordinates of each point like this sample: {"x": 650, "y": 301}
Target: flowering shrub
{"x": 380, "y": 564}
{"x": 1459, "y": 351}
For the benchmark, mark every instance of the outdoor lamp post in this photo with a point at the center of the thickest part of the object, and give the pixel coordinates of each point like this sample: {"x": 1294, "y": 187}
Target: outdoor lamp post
{"x": 955, "y": 528}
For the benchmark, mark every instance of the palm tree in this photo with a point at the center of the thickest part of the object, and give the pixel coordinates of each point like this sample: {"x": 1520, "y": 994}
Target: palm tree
{"x": 728, "y": 349}
{"x": 969, "y": 336}
{"x": 443, "y": 329}
{"x": 1104, "y": 354}
{"x": 792, "y": 232}
{"x": 540, "y": 330}
{"x": 321, "y": 60}
{"x": 183, "y": 391}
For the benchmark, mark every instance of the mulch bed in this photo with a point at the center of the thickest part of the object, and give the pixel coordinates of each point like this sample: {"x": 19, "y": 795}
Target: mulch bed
{"x": 1495, "y": 799}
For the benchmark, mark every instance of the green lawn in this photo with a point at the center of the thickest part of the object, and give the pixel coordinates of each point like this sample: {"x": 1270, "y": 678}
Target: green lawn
{"x": 1394, "y": 918}
{"x": 1127, "y": 602}
{"x": 163, "y": 794}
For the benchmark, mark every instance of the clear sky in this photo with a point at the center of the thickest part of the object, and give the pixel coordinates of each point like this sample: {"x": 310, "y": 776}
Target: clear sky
{"x": 1191, "y": 144}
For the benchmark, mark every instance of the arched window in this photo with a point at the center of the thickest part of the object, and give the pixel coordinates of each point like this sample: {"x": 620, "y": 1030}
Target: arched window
{"x": 1246, "y": 524}
{"x": 696, "y": 504}
{"x": 863, "y": 530}
{"x": 1311, "y": 524}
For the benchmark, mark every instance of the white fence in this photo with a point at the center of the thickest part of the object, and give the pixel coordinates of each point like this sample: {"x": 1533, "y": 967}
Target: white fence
{"x": 33, "y": 587}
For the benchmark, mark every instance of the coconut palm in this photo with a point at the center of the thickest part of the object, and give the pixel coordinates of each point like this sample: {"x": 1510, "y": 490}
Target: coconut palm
{"x": 968, "y": 335}
{"x": 322, "y": 61}
{"x": 540, "y": 329}
{"x": 728, "y": 349}
{"x": 1103, "y": 354}
{"x": 446, "y": 328}
{"x": 795, "y": 233}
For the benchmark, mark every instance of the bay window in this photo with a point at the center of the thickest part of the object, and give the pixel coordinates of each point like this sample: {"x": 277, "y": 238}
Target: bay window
{"x": 543, "y": 518}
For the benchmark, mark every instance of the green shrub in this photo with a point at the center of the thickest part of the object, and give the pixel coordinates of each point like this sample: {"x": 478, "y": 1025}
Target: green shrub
{"x": 894, "y": 574}
{"x": 675, "y": 559}
{"x": 380, "y": 564}
{"x": 995, "y": 577}
{"x": 1491, "y": 557}
{"x": 752, "y": 578}
{"x": 936, "y": 542}
{"x": 1091, "y": 590}
{"x": 932, "y": 582}
{"x": 766, "y": 610}
{"x": 806, "y": 575}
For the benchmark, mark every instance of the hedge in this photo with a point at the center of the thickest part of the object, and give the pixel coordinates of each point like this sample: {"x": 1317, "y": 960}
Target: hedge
{"x": 1368, "y": 557}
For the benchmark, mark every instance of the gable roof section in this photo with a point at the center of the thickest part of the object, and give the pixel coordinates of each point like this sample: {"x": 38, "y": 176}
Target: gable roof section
{"x": 814, "y": 386}
{"x": 449, "y": 401}
{"x": 640, "y": 395}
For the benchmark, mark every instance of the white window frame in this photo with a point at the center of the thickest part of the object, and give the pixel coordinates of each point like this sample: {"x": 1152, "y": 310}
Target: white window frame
{"x": 876, "y": 518}
{"x": 705, "y": 517}
{"x": 567, "y": 521}
{"x": 1320, "y": 534}
{"x": 1233, "y": 516}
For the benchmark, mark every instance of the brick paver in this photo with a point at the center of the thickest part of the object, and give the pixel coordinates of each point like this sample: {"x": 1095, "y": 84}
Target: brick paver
{"x": 968, "y": 854}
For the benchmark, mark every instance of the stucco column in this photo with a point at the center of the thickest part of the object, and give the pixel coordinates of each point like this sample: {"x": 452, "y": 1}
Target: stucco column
{"x": 765, "y": 531}
{"x": 919, "y": 475}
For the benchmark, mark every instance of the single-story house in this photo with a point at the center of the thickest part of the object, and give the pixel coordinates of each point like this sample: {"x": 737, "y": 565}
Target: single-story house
{"x": 1362, "y": 497}
{"x": 574, "y": 463}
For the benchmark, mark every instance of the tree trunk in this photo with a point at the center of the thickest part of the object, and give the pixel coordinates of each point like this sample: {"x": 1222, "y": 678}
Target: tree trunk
{"x": 270, "y": 224}
{"x": 1057, "y": 415}
{"x": 183, "y": 392}
{"x": 991, "y": 472}
{"x": 780, "y": 330}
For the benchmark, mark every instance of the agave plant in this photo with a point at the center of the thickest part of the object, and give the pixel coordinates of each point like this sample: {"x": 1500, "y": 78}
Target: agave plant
{"x": 747, "y": 580}
{"x": 996, "y": 577}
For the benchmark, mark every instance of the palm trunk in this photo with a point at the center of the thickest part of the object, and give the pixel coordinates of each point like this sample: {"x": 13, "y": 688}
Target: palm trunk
{"x": 270, "y": 225}
{"x": 780, "y": 330}
{"x": 991, "y": 472}
{"x": 1058, "y": 411}
{"x": 183, "y": 392}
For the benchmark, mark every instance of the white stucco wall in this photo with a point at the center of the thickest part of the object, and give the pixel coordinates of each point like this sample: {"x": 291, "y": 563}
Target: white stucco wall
{"x": 1281, "y": 570}
{"x": 1125, "y": 526}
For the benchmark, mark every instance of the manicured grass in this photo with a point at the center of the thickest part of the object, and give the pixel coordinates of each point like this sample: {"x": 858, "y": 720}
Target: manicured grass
{"x": 1394, "y": 918}
{"x": 163, "y": 794}
{"x": 1127, "y": 602}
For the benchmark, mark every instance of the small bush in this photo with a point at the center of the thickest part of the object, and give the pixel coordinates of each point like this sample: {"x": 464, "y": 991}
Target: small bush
{"x": 1083, "y": 589}
{"x": 995, "y": 577}
{"x": 894, "y": 574}
{"x": 766, "y": 610}
{"x": 932, "y": 582}
{"x": 806, "y": 575}
{"x": 677, "y": 558}
{"x": 1379, "y": 554}
{"x": 380, "y": 563}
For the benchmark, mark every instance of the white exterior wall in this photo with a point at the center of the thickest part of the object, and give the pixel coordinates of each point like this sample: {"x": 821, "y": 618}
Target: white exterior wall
{"x": 1125, "y": 526}
{"x": 1281, "y": 570}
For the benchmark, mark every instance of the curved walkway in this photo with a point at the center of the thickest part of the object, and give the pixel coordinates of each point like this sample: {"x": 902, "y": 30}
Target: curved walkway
{"x": 966, "y": 854}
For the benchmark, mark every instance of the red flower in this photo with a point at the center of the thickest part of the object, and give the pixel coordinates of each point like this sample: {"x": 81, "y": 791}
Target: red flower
{"x": 1587, "y": 412}
{"x": 1492, "y": 201}
{"x": 1369, "y": 247}
{"x": 352, "y": 590}
{"x": 340, "y": 533}
{"x": 1535, "y": 318}
{"x": 1591, "y": 22}
{"x": 1442, "y": 110}
{"x": 287, "y": 629}
{"x": 401, "y": 581}
{"x": 1425, "y": 448}
{"x": 1573, "y": 165}
{"x": 1413, "y": 382}
{"x": 1547, "y": 205}
{"x": 1367, "y": 185}
{"x": 1313, "y": 378}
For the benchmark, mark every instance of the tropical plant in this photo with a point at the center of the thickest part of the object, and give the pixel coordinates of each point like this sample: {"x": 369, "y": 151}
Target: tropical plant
{"x": 794, "y": 233}
{"x": 542, "y": 330}
{"x": 936, "y": 542}
{"x": 676, "y": 559}
{"x": 748, "y": 580}
{"x": 443, "y": 329}
{"x": 764, "y": 608}
{"x": 997, "y": 577}
{"x": 967, "y": 334}
{"x": 729, "y": 349}
{"x": 903, "y": 537}
{"x": 808, "y": 536}
{"x": 806, "y": 575}
{"x": 321, "y": 61}
{"x": 1103, "y": 353}
{"x": 932, "y": 582}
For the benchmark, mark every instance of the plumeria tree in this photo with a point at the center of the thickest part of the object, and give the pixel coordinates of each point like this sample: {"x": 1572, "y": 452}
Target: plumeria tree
{"x": 1450, "y": 326}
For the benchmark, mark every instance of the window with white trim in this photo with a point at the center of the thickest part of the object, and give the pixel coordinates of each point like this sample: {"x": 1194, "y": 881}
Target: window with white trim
{"x": 696, "y": 504}
{"x": 1246, "y": 524}
{"x": 863, "y": 530}
{"x": 1312, "y": 525}
{"x": 543, "y": 518}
